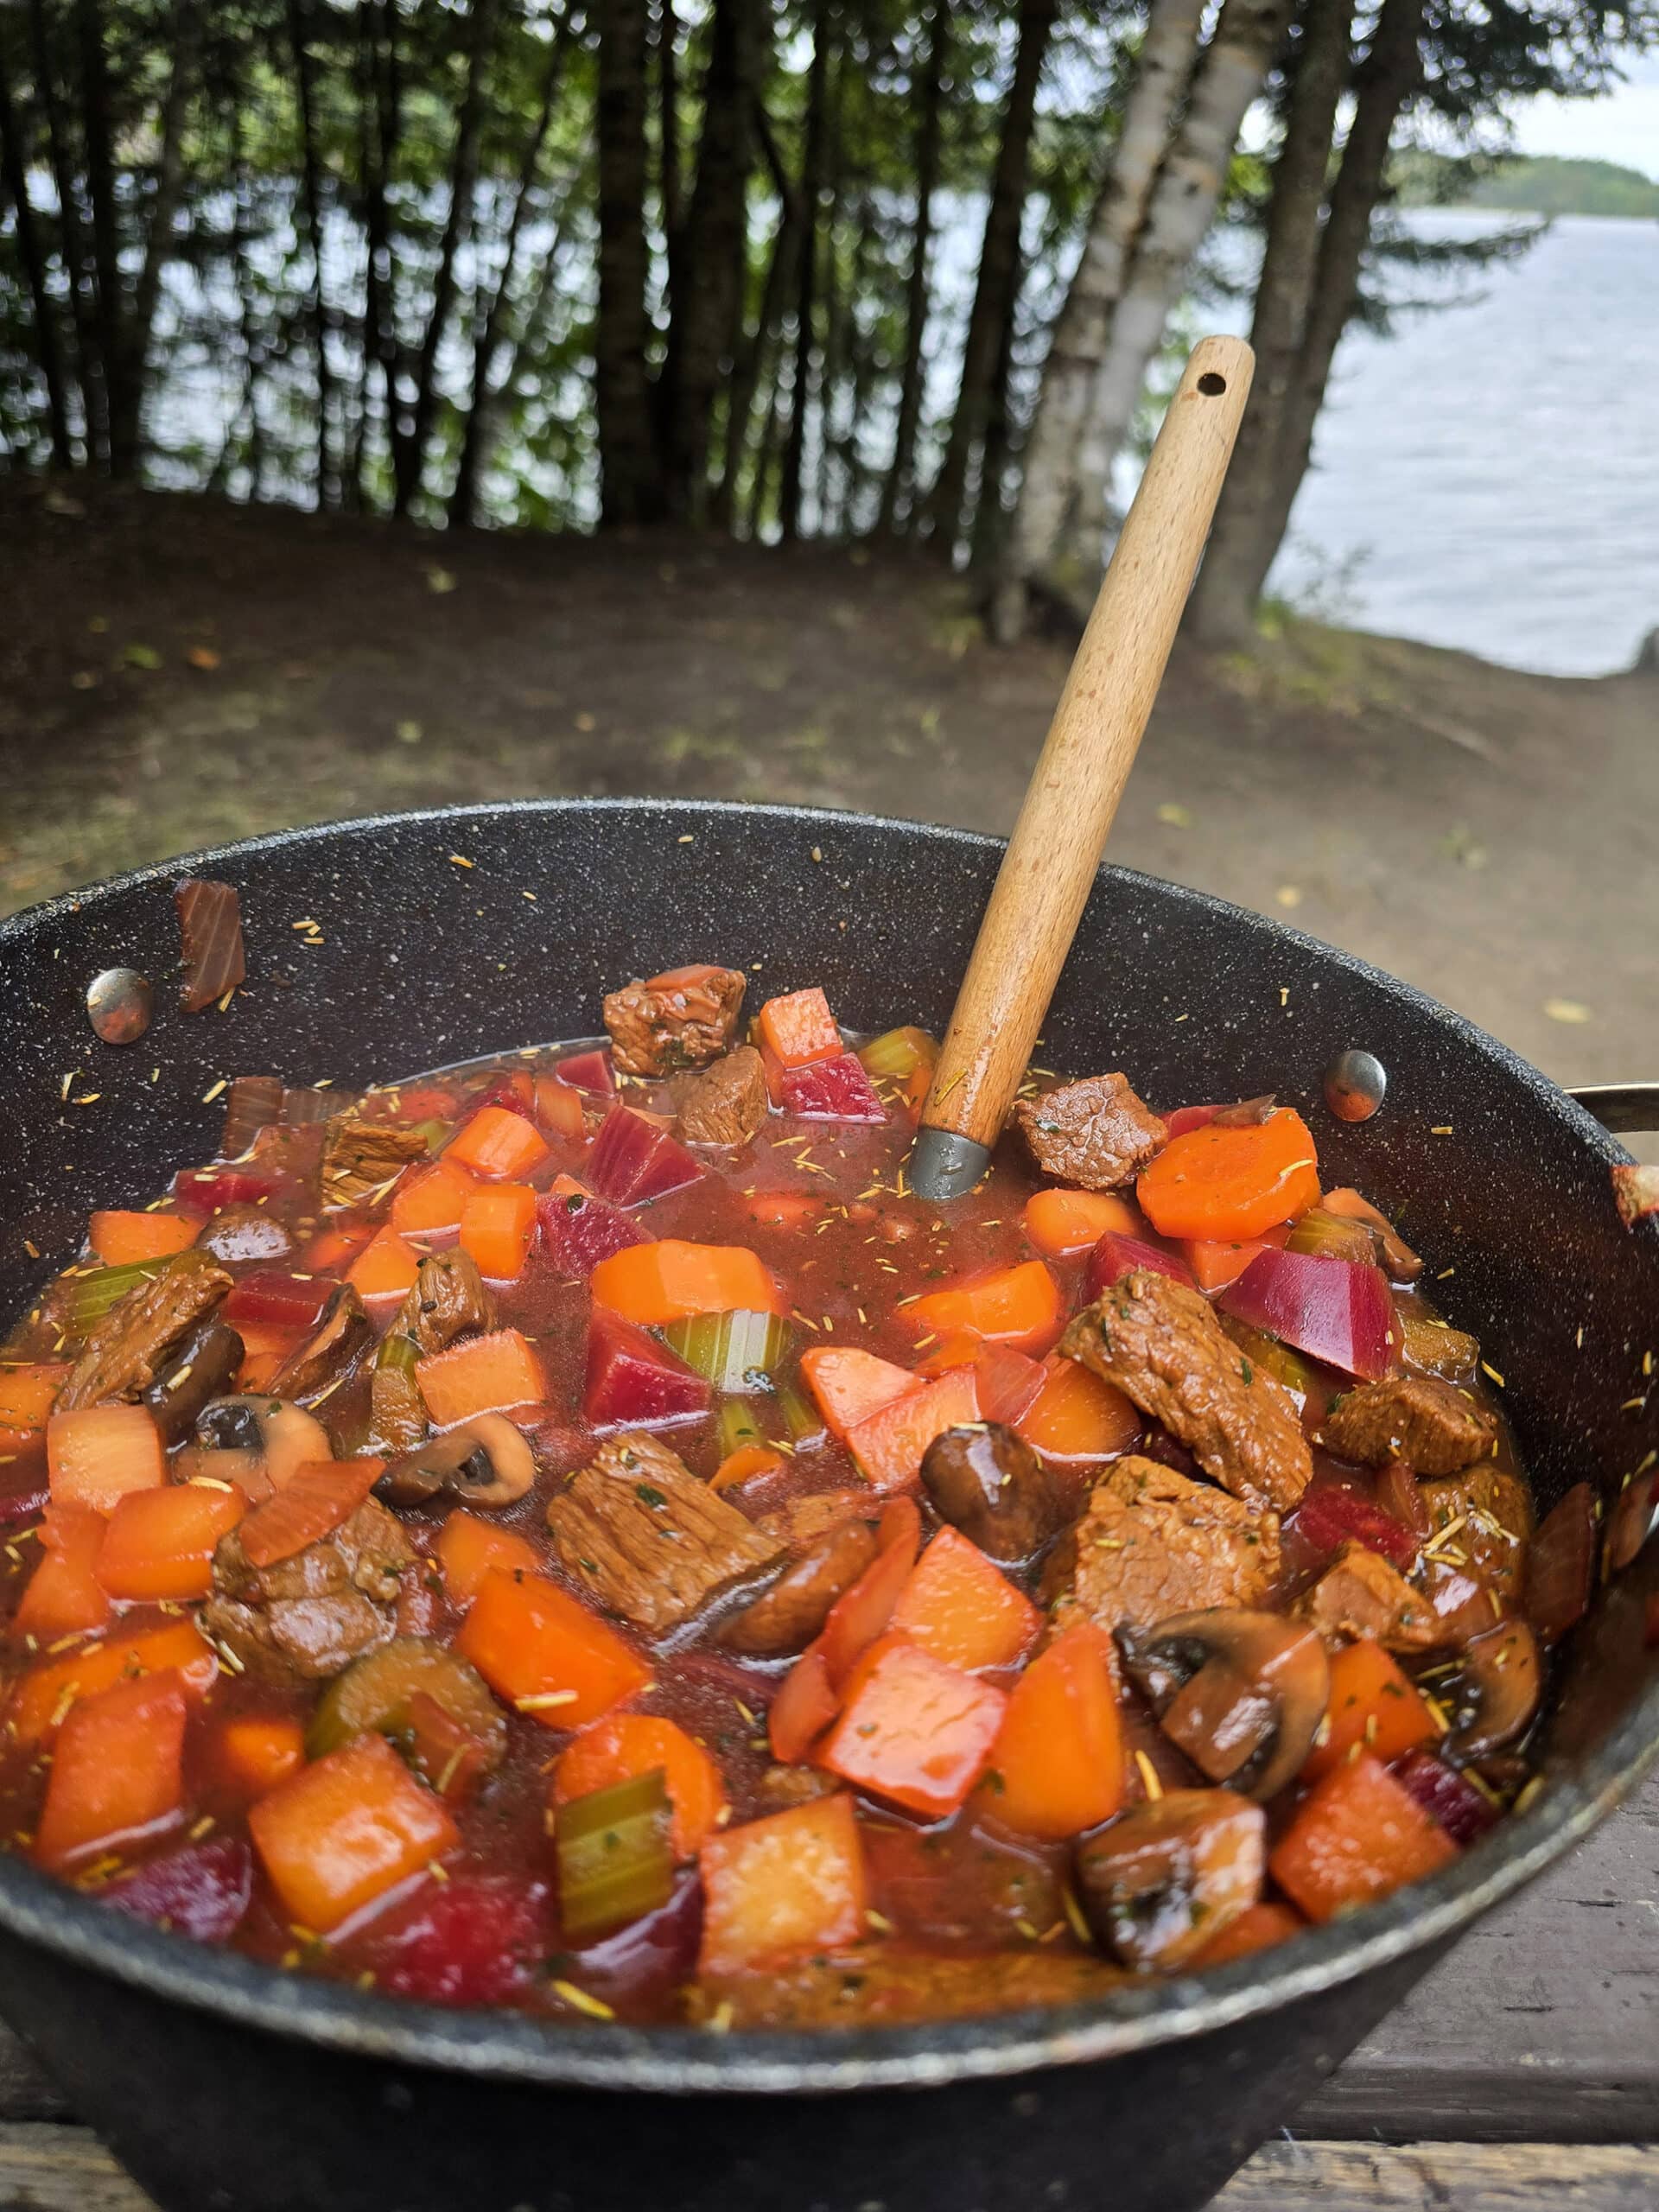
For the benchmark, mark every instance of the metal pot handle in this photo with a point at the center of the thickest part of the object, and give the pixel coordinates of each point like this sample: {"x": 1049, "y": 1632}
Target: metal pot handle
{"x": 1622, "y": 1108}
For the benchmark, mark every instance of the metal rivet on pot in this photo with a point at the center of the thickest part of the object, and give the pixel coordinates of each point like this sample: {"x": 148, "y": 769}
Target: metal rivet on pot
{"x": 1354, "y": 1085}
{"x": 119, "y": 1005}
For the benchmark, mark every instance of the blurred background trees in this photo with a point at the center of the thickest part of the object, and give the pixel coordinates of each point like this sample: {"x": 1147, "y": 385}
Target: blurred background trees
{"x": 774, "y": 268}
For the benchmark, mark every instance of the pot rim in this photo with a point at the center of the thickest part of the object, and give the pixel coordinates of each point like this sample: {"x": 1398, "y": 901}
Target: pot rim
{"x": 41, "y": 1910}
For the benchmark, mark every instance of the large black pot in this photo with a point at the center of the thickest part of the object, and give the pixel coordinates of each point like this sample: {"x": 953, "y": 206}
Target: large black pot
{"x": 222, "y": 2084}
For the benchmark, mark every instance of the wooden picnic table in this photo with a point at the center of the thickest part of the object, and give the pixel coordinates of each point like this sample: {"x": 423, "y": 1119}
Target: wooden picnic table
{"x": 1521, "y": 2076}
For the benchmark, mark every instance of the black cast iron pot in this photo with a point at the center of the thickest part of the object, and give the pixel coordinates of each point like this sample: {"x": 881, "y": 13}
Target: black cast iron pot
{"x": 222, "y": 2084}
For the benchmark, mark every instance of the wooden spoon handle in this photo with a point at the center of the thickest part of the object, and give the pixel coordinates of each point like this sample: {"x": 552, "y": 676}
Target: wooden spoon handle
{"x": 1050, "y": 865}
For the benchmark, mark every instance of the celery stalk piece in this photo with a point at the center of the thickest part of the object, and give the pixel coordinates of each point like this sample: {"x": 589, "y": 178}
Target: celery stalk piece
{"x": 91, "y": 1297}
{"x": 898, "y": 1053}
{"x": 737, "y": 1426}
{"x": 615, "y": 1860}
{"x": 735, "y": 1352}
{"x": 398, "y": 1351}
{"x": 801, "y": 1417}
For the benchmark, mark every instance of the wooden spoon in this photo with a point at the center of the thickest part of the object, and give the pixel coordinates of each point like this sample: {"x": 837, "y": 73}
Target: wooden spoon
{"x": 1049, "y": 868}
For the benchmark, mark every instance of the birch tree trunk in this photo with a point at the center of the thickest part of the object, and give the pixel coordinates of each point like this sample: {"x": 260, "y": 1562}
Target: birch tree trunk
{"x": 1168, "y": 52}
{"x": 311, "y": 203}
{"x": 125, "y": 420}
{"x": 14, "y": 167}
{"x": 630, "y": 489}
{"x": 1220, "y": 609}
{"x": 899, "y": 489}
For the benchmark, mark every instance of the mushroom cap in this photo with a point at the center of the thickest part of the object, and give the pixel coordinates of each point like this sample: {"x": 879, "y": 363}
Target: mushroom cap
{"x": 284, "y": 1435}
{"x": 1494, "y": 1692}
{"x": 1168, "y": 1875}
{"x": 1242, "y": 1692}
{"x": 486, "y": 1461}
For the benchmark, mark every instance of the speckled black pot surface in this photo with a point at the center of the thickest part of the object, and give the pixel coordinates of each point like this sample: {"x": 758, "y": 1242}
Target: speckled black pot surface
{"x": 224, "y": 2085}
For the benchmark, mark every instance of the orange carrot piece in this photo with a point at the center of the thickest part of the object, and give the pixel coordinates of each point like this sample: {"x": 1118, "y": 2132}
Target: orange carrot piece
{"x": 545, "y": 1653}
{"x": 255, "y": 1752}
{"x": 118, "y": 1772}
{"x": 671, "y": 1280}
{"x": 385, "y": 1267}
{"x": 468, "y": 1546}
{"x": 783, "y": 1887}
{"x": 328, "y": 1251}
{"x": 1258, "y": 1928}
{"x": 804, "y": 1708}
{"x": 28, "y": 1390}
{"x": 1077, "y": 1416}
{"x": 497, "y": 1227}
{"x": 963, "y": 1609}
{"x": 744, "y": 1465}
{"x": 626, "y": 1744}
{"x": 1059, "y": 1764}
{"x": 428, "y": 1202}
{"x": 558, "y": 1107}
{"x": 486, "y": 1374}
{"x": 41, "y": 1698}
{"x": 64, "y": 1596}
{"x": 1358, "y": 1835}
{"x": 160, "y": 1543}
{"x": 913, "y": 1730}
{"x": 784, "y": 1209}
{"x": 96, "y": 1454}
{"x": 1372, "y": 1702}
{"x": 889, "y": 1444}
{"x": 1014, "y": 1305}
{"x": 1227, "y": 1184}
{"x": 799, "y": 1028}
{"x": 900, "y": 1524}
{"x": 497, "y": 1143}
{"x": 1215, "y": 1265}
{"x": 849, "y": 1386}
{"x": 343, "y": 1831}
{"x": 264, "y": 1347}
{"x": 1061, "y": 1222}
{"x": 119, "y": 1238}
{"x": 860, "y": 1614}
{"x": 319, "y": 1497}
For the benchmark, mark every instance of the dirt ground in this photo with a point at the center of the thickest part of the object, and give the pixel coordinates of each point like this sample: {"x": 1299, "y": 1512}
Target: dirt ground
{"x": 173, "y": 672}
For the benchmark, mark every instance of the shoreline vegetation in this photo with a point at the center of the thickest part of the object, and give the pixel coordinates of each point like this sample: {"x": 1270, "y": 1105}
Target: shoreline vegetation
{"x": 1520, "y": 184}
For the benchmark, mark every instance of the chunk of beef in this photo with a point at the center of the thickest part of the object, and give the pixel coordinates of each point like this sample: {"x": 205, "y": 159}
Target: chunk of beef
{"x": 787, "y": 1617}
{"x": 1481, "y": 1520}
{"x": 1360, "y": 1595}
{"x": 314, "y": 1613}
{"x": 1429, "y": 1424}
{"x": 124, "y": 1352}
{"x": 449, "y": 1300}
{"x": 361, "y": 1157}
{"x": 1095, "y": 1132}
{"x": 886, "y": 1987}
{"x": 728, "y": 1103}
{"x": 804, "y": 1520}
{"x": 1435, "y": 1348}
{"x": 652, "y": 1543}
{"x": 985, "y": 1480}
{"x": 683, "y": 1018}
{"x": 243, "y": 1232}
{"x": 1163, "y": 1346}
{"x": 316, "y": 1368}
{"x": 1151, "y": 1543}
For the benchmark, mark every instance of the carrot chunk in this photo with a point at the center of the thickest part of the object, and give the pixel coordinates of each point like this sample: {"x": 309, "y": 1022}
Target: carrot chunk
{"x": 96, "y": 1454}
{"x": 28, "y": 1390}
{"x": 486, "y": 1374}
{"x": 256, "y": 1751}
{"x": 1014, "y": 1306}
{"x": 497, "y": 1143}
{"x": 1258, "y": 1928}
{"x": 343, "y": 1831}
{"x": 1226, "y": 1184}
{"x": 119, "y": 1238}
{"x": 624, "y": 1745}
{"x": 468, "y": 1546}
{"x": 915, "y": 1731}
{"x": 957, "y": 1605}
{"x": 118, "y": 1772}
{"x": 1358, "y": 1835}
{"x": 64, "y": 1596}
{"x": 160, "y": 1543}
{"x": 1215, "y": 1265}
{"x": 1058, "y": 1766}
{"x": 544, "y": 1653}
{"x": 42, "y": 1698}
{"x": 850, "y": 1385}
{"x": 497, "y": 1225}
{"x": 429, "y": 1203}
{"x": 783, "y": 1887}
{"x": 804, "y": 1707}
{"x": 799, "y": 1028}
{"x": 671, "y": 1280}
{"x": 1372, "y": 1703}
{"x": 889, "y": 1444}
{"x": 1060, "y": 1222}
{"x": 558, "y": 1108}
{"x": 385, "y": 1267}
{"x": 1077, "y": 1416}
{"x": 862, "y": 1613}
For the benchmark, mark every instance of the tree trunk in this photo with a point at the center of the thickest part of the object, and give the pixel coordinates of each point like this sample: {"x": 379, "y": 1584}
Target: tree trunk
{"x": 1231, "y": 74}
{"x": 671, "y": 179}
{"x": 631, "y": 490}
{"x": 14, "y": 166}
{"x": 72, "y": 244}
{"x": 990, "y": 516}
{"x": 999, "y": 275}
{"x": 898, "y": 490}
{"x": 747, "y": 374}
{"x": 835, "y": 301}
{"x": 1168, "y": 51}
{"x": 106, "y": 245}
{"x": 463, "y": 185}
{"x": 158, "y": 238}
{"x": 791, "y": 491}
{"x": 1220, "y": 611}
{"x": 1386, "y": 79}
{"x": 311, "y": 203}
{"x": 380, "y": 119}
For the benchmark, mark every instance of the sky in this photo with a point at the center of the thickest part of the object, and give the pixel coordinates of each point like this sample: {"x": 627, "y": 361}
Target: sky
{"x": 1621, "y": 126}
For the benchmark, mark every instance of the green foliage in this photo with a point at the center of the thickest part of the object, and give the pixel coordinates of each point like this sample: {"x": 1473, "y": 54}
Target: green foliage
{"x": 1538, "y": 185}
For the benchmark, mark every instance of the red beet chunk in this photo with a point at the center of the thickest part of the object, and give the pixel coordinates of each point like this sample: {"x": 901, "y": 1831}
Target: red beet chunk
{"x": 579, "y": 1230}
{"x": 209, "y": 932}
{"x": 201, "y": 1890}
{"x": 286, "y": 1301}
{"x": 634, "y": 1382}
{"x": 835, "y": 1089}
{"x": 512, "y": 1091}
{"x": 1117, "y": 1256}
{"x": 1441, "y": 1790}
{"x": 205, "y": 1190}
{"x": 476, "y": 1939}
{"x": 590, "y": 1072}
{"x": 1190, "y": 1117}
{"x": 1340, "y": 1311}
{"x": 1329, "y": 1516}
{"x": 633, "y": 1159}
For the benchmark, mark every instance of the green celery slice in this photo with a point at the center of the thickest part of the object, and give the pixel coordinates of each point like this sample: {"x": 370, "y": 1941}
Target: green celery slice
{"x": 737, "y": 1426}
{"x": 91, "y": 1297}
{"x": 897, "y": 1054}
{"x": 615, "y": 1860}
{"x": 801, "y": 1417}
{"x": 736, "y": 1352}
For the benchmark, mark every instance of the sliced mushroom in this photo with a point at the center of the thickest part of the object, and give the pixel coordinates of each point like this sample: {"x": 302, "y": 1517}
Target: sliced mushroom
{"x": 1494, "y": 1692}
{"x": 787, "y": 1617}
{"x": 1633, "y": 1521}
{"x": 273, "y": 1438}
{"x": 317, "y": 1368}
{"x": 195, "y": 1372}
{"x": 486, "y": 1461}
{"x": 1162, "y": 1881}
{"x": 987, "y": 1481}
{"x": 245, "y": 1232}
{"x": 1241, "y": 1691}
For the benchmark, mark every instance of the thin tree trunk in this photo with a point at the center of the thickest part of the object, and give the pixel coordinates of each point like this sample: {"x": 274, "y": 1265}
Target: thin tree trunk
{"x": 253, "y": 352}
{"x": 791, "y": 491}
{"x": 747, "y": 374}
{"x": 73, "y": 245}
{"x": 990, "y": 517}
{"x": 316, "y": 311}
{"x": 631, "y": 490}
{"x": 898, "y": 490}
{"x": 1168, "y": 51}
{"x": 158, "y": 238}
{"x": 463, "y": 185}
{"x": 1384, "y": 82}
{"x": 106, "y": 245}
{"x": 380, "y": 129}
{"x": 835, "y": 304}
{"x": 999, "y": 275}
{"x": 670, "y": 181}
{"x": 14, "y": 165}
{"x": 1220, "y": 611}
